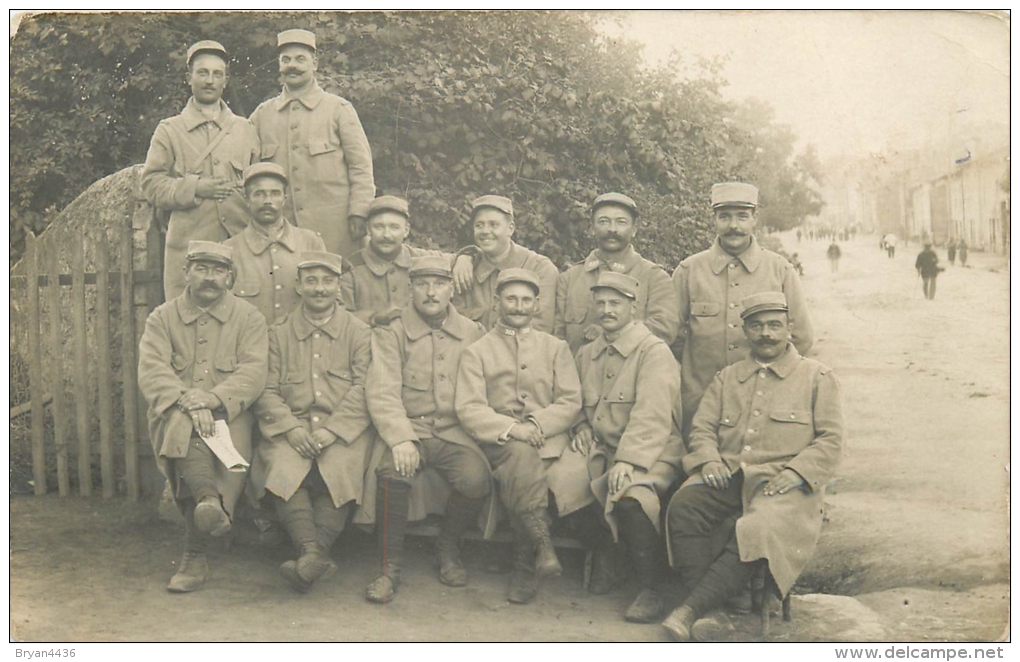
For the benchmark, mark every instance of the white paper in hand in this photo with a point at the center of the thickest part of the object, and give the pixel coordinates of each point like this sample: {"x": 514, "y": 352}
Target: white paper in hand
{"x": 222, "y": 446}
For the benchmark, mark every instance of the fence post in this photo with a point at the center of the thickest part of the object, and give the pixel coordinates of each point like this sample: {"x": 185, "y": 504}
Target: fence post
{"x": 35, "y": 385}
{"x": 129, "y": 377}
{"x": 58, "y": 350}
{"x": 103, "y": 369}
{"x": 81, "y": 370}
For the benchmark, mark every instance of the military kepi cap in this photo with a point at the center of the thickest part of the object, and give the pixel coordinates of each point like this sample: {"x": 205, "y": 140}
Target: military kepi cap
{"x": 495, "y": 201}
{"x": 330, "y": 261}
{"x": 615, "y": 199}
{"x": 299, "y": 37}
{"x": 206, "y": 46}
{"x": 763, "y": 301}
{"x": 625, "y": 284}
{"x": 265, "y": 169}
{"x": 525, "y": 276}
{"x": 734, "y": 194}
{"x": 388, "y": 203}
{"x": 430, "y": 266}
{"x": 210, "y": 251}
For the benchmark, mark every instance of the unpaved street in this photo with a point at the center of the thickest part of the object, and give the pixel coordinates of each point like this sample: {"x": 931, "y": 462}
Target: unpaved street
{"x": 916, "y": 547}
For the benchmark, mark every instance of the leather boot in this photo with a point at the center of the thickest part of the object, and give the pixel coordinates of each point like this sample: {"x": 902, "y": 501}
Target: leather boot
{"x": 211, "y": 518}
{"x": 461, "y": 513}
{"x": 391, "y": 505}
{"x": 536, "y": 524}
{"x": 727, "y": 576}
{"x": 194, "y": 568}
{"x": 645, "y": 546}
{"x": 587, "y": 525}
{"x": 297, "y": 517}
{"x": 523, "y": 581}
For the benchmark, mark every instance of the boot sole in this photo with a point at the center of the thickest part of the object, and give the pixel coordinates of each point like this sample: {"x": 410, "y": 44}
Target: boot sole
{"x": 289, "y": 572}
{"x": 212, "y": 519}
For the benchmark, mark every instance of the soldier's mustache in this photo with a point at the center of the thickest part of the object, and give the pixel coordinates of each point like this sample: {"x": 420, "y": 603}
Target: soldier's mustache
{"x": 291, "y": 70}
{"x": 736, "y": 233}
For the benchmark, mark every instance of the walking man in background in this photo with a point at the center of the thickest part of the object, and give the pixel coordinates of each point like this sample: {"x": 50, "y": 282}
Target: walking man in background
{"x": 963, "y": 249}
{"x": 196, "y": 162}
{"x": 318, "y": 139}
{"x": 927, "y": 265}
{"x": 951, "y": 251}
{"x": 834, "y": 253}
{"x": 889, "y": 241}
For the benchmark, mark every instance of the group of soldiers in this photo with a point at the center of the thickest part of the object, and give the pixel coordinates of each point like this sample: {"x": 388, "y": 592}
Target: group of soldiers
{"x": 383, "y": 385}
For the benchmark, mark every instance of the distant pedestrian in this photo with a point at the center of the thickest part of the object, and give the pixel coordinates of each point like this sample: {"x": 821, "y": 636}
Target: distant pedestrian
{"x": 795, "y": 261}
{"x": 962, "y": 248}
{"x": 890, "y": 244}
{"x": 927, "y": 265}
{"x": 799, "y": 235}
{"x": 834, "y": 253}
{"x": 951, "y": 251}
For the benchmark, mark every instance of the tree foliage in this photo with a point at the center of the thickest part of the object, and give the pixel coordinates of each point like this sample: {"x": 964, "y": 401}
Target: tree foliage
{"x": 538, "y": 106}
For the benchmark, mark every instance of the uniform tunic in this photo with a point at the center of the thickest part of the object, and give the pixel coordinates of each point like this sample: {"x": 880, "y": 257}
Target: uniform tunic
{"x": 478, "y": 302}
{"x": 170, "y": 179}
{"x": 709, "y": 288}
{"x": 410, "y": 390}
{"x": 512, "y": 376}
{"x": 372, "y": 284}
{"x": 763, "y": 420}
{"x": 631, "y": 390}
{"x": 316, "y": 380}
{"x": 222, "y": 350}
{"x": 266, "y": 270}
{"x": 575, "y": 310}
{"x": 318, "y": 139}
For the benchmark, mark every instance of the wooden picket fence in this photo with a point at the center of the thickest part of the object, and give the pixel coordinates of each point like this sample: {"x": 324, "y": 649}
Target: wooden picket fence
{"x": 43, "y": 286}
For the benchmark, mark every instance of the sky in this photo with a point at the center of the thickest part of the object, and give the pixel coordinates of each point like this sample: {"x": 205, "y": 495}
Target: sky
{"x": 851, "y": 82}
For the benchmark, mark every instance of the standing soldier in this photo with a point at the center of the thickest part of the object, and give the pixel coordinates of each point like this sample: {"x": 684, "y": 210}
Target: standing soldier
{"x": 767, "y": 438}
{"x": 267, "y": 252}
{"x": 710, "y": 286}
{"x": 492, "y": 217}
{"x": 317, "y": 433}
{"x": 202, "y": 358}
{"x": 614, "y": 224}
{"x": 195, "y": 164}
{"x": 318, "y": 139}
{"x": 375, "y": 285}
{"x": 631, "y": 388}
{"x": 517, "y": 395}
{"x": 410, "y": 388}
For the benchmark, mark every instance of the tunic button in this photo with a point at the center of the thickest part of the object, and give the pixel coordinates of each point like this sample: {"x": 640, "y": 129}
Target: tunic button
{"x": 726, "y": 420}
{"x": 732, "y": 266}
{"x": 442, "y": 378}
{"x": 393, "y": 289}
{"x": 273, "y": 249}
{"x": 279, "y": 287}
{"x": 315, "y": 335}
{"x": 315, "y": 419}
{"x": 743, "y": 465}
{"x": 732, "y": 346}
{"x": 318, "y": 393}
{"x": 524, "y": 396}
{"x": 315, "y": 375}
{"x": 206, "y": 372}
{"x": 760, "y": 392}
{"x": 201, "y": 341}
{"x": 793, "y": 416}
{"x": 277, "y": 305}
{"x": 732, "y": 325}
{"x": 747, "y": 449}
{"x": 202, "y": 323}
{"x": 198, "y": 379}
{"x": 315, "y": 356}
{"x": 201, "y": 361}
{"x": 609, "y": 375}
{"x": 733, "y": 305}
{"x": 276, "y": 267}
{"x": 762, "y": 374}
{"x": 757, "y": 412}
{"x": 751, "y": 431}
{"x": 440, "y": 357}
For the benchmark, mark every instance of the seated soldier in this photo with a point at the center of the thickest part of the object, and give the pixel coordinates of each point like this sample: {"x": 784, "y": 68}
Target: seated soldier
{"x": 314, "y": 419}
{"x": 202, "y": 357}
{"x": 375, "y": 284}
{"x": 766, "y": 439}
{"x": 517, "y": 395}
{"x": 631, "y": 387}
{"x": 410, "y": 388}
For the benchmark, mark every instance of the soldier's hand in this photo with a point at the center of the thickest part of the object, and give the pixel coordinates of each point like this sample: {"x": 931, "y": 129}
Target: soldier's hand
{"x": 406, "y": 458}
{"x": 787, "y": 480}
{"x": 620, "y": 476}
{"x": 716, "y": 475}
{"x": 384, "y": 318}
{"x": 214, "y": 188}
{"x": 583, "y": 440}
{"x": 592, "y": 332}
{"x": 302, "y": 443}
{"x": 203, "y": 421}
{"x": 322, "y": 438}
{"x": 463, "y": 273}
{"x": 528, "y": 433}
{"x": 196, "y": 398}
{"x": 356, "y": 226}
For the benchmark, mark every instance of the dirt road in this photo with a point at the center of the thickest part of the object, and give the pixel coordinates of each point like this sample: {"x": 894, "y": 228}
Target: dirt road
{"x": 916, "y": 545}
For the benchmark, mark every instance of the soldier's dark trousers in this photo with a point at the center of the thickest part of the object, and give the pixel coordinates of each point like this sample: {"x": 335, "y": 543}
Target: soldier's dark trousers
{"x": 702, "y": 528}
{"x": 520, "y": 473}
{"x": 643, "y": 542}
{"x": 197, "y": 470}
{"x": 929, "y": 286}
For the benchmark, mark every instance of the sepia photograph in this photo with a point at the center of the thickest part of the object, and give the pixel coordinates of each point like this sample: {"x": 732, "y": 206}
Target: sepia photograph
{"x": 552, "y": 326}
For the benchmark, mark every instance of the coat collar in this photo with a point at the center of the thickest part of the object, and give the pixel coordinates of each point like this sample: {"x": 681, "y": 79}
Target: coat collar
{"x": 625, "y": 344}
{"x": 501, "y": 329}
{"x": 623, "y": 264}
{"x": 515, "y": 259}
{"x": 189, "y": 312}
{"x": 782, "y": 367}
{"x": 750, "y": 258}
{"x": 259, "y": 242}
{"x": 415, "y": 327}
{"x": 310, "y": 98}
{"x": 193, "y": 117}
{"x": 380, "y": 266}
{"x": 304, "y": 328}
